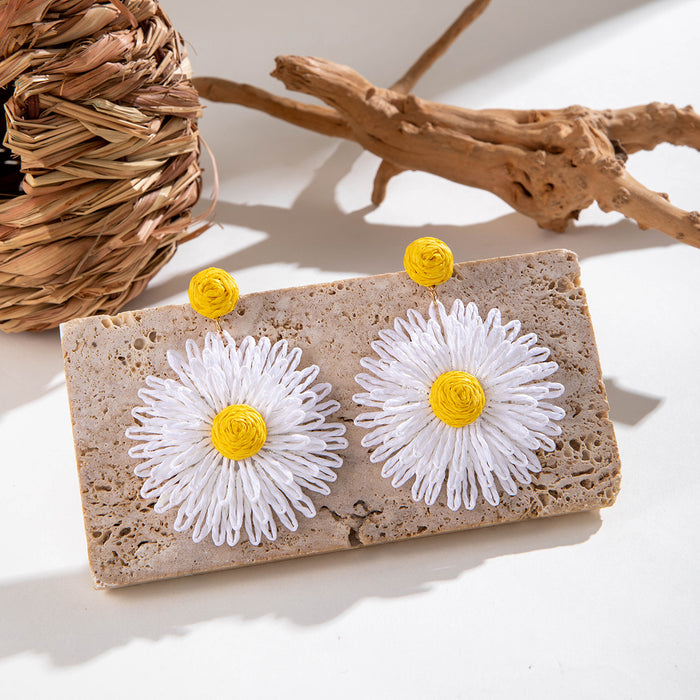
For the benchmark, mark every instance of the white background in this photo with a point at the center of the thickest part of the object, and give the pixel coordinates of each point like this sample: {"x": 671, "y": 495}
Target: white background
{"x": 598, "y": 605}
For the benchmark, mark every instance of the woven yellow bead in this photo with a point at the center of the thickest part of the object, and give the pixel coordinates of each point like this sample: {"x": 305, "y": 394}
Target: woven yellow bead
{"x": 238, "y": 432}
{"x": 457, "y": 398}
{"x": 213, "y": 292}
{"x": 428, "y": 261}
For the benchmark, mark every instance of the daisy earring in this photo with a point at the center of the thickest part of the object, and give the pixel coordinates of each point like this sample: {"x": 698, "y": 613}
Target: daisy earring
{"x": 457, "y": 400}
{"x": 237, "y": 437}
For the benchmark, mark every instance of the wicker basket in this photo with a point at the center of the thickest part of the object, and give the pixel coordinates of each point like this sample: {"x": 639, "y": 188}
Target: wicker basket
{"x": 101, "y": 160}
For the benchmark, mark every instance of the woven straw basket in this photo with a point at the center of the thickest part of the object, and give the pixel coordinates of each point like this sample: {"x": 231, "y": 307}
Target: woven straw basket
{"x": 101, "y": 161}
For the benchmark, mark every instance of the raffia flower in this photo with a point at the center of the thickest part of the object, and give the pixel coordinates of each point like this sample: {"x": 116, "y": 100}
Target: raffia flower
{"x": 461, "y": 400}
{"x": 237, "y": 440}
{"x": 428, "y": 261}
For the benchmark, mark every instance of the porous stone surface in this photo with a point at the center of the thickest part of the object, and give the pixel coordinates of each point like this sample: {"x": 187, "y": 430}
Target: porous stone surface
{"x": 107, "y": 359}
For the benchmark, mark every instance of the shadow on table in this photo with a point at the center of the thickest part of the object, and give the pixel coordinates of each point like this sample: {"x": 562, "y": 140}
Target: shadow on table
{"x": 30, "y": 361}
{"x": 63, "y": 618}
{"x": 315, "y": 233}
{"x": 628, "y": 407}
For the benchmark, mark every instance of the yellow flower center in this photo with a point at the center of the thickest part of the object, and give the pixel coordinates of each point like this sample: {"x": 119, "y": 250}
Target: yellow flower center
{"x": 213, "y": 292}
{"x": 457, "y": 398}
{"x": 238, "y": 432}
{"x": 428, "y": 261}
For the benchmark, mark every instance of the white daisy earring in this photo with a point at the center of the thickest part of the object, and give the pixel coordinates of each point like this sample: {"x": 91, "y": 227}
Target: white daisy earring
{"x": 238, "y": 436}
{"x": 457, "y": 400}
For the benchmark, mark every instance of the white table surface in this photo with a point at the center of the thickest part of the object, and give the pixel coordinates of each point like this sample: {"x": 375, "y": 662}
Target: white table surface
{"x": 598, "y": 605}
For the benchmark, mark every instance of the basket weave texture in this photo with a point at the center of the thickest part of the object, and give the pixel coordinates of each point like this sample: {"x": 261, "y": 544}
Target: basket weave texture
{"x": 101, "y": 166}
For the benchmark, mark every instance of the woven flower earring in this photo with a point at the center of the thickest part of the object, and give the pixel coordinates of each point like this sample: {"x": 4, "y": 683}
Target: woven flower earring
{"x": 456, "y": 398}
{"x": 240, "y": 437}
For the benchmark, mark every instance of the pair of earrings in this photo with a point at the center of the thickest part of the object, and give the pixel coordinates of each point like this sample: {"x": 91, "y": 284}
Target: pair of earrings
{"x": 238, "y": 441}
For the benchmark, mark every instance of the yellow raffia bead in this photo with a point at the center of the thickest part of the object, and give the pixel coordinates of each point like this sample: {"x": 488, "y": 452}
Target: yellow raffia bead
{"x": 213, "y": 292}
{"x": 457, "y": 398}
{"x": 238, "y": 432}
{"x": 428, "y": 261}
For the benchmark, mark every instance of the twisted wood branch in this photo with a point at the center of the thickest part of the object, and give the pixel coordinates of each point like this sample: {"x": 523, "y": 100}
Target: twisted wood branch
{"x": 546, "y": 164}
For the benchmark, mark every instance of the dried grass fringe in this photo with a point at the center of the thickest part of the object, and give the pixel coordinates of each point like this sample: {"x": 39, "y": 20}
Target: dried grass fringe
{"x": 103, "y": 123}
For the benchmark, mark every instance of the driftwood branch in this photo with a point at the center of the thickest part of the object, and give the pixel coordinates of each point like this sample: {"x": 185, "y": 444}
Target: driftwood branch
{"x": 547, "y": 164}
{"x": 320, "y": 119}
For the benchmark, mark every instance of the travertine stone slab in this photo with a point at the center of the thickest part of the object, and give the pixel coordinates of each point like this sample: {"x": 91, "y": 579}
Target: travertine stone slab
{"x": 108, "y": 358}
